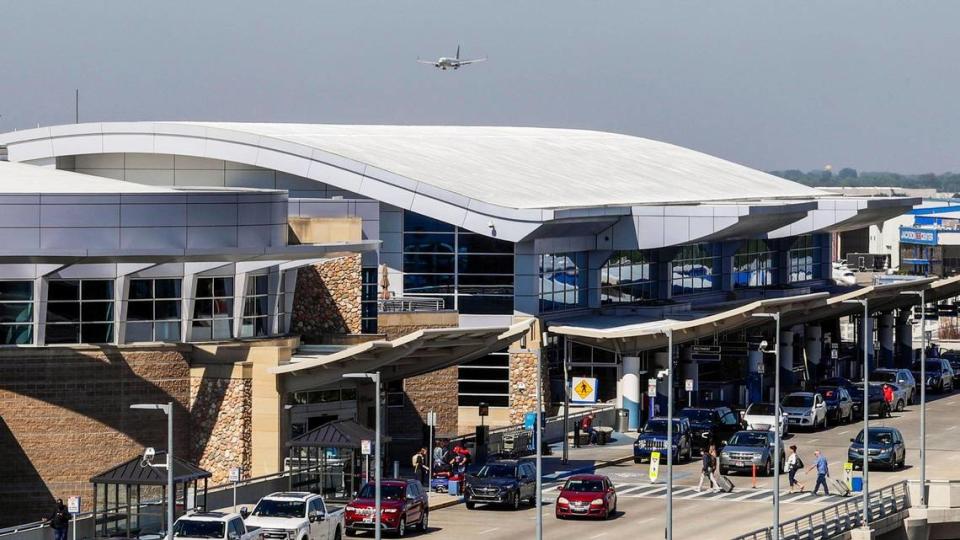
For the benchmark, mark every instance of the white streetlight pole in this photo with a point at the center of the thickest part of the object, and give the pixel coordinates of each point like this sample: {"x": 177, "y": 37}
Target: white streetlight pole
{"x": 923, "y": 393}
{"x": 171, "y": 495}
{"x": 866, "y": 410}
{"x": 375, "y": 377}
{"x": 539, "y": 437}
{"x": 776, "y": 422}
{"x": 669, "y": 446}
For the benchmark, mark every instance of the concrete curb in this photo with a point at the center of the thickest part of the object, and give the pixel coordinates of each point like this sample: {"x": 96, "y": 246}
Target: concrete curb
{"x": 554, "y": 476}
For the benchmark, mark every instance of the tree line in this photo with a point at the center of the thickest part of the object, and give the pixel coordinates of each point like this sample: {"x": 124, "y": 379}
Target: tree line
{"x": 948, "y": 182}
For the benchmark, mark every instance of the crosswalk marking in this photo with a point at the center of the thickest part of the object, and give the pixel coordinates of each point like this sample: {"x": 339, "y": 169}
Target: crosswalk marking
{"x": 686, "y": 492}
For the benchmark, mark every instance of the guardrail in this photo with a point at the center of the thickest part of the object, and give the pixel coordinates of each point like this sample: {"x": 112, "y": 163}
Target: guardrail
{"x": 836, "y": 519}
{"x": 409, "y": 303}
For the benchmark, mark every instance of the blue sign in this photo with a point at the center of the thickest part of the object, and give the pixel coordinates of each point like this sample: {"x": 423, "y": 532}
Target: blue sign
{"x": 912, "y": 235}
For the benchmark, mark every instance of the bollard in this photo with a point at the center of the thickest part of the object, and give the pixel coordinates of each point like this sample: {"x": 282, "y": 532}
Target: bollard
{"x": 396, "y": 469}
{"x": 753, "y": 474}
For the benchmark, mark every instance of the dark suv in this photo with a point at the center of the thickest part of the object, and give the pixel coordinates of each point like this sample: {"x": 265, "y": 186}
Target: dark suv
{"x": 506, "y": 482}
{"x": 939, "y": 374}
{"x": 653, "y": 438}
{"x": 710, "y": 425}
{"x": 878, "y": 405}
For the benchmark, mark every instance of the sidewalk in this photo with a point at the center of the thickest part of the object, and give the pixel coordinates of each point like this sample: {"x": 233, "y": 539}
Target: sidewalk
{"x": 585, "y": 459}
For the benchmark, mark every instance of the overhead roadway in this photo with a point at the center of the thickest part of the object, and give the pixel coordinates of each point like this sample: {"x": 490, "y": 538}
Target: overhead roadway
{"x": 414, "y": 354}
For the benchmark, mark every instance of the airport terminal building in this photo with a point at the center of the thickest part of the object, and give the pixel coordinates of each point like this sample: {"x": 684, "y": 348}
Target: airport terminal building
{"x": 241, "y": 269}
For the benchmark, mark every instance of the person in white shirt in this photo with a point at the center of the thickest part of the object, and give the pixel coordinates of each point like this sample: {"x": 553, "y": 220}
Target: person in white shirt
{"x": 793, "y": 464}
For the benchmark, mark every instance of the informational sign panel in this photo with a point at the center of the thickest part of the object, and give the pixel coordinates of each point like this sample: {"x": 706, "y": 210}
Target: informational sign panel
{"x": 688, "y": 385}
{"x": 483, "y": 410}
{"x": 834, "y": 354}
{"x": 234, "y": 474}
{"x": 584, "y": 390}
{"x": 651, "y": 388}
{"x": 365, "y": 447}
{"x": 432, "y": 419}
{"x": 654, "y": 466}
{"x": 848, "y": 474}
{"x": 73, "y": 505}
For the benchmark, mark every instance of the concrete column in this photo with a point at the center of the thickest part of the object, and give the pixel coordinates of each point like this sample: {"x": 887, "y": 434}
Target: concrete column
{"x": 754, "y": 388}
{"x": 904, "y": 339}
{"x": 268, "y": 419}
{"x": 786, "y": 358}
{"x": 632, "y": 393}
{"x": 885, "y": 335}
{"x": 813, "y": 347}
{"x": 858, "y": 339}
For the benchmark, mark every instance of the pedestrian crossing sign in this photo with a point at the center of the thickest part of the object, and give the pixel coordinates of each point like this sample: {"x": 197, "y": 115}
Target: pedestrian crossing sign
{"x": 584, "y": 390}
{"x": 654, "y": 466}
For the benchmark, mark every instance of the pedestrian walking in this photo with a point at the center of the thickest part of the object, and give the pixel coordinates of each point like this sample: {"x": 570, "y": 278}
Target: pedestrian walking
{"x": 823, "y": 471}
{"x": 419, "y": 461}
{"x": 794, "y": 464}
{"x": 60, "y": 521}
{"x": 707, "y": 470}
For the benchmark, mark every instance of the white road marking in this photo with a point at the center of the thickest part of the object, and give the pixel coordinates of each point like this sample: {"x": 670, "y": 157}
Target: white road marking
{"x": 490, "y": 530}
{"x": 812, "y": 441}
{"x": 844, "y": 432}
{"x": 598, "y": 536}
{"x": 629, "y": 489}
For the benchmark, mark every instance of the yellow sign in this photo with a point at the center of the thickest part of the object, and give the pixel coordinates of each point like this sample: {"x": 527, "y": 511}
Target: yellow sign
{"x": 848, "y": 474}
{"x": 654, "y": 466}
{"x": 584, "y": 390}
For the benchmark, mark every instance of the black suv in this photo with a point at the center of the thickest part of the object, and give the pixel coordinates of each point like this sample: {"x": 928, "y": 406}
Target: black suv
{"x": 939, "y": 374}
{"x": 711, "y": 425}
{"x": 506, "y": 482}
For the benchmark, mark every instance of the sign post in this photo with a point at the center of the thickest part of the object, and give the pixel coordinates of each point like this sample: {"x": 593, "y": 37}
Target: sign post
{"x": 483, "y": 410}
{"x": 234, "y": 478}
{"x": 432, "y": 423}
{"x": 365, "y": 450}
{"x": 688, "y": 385}
{"x": 73, "y": 506}
{"x": 654, "y": 466}
{"x": 652, "y": 394}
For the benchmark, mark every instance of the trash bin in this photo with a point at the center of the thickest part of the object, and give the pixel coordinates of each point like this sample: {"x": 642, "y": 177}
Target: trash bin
{"x": 453, "y": 488}
{"x": 623, "y": 421}
{"x": 857, "y": 483}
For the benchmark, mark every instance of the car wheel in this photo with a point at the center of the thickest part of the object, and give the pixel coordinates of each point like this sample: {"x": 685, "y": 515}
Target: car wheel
{"x": 558, "y": 515}
{"x": 336, "y": 535}
{"x": 471, "y": 505}
{"x": 402, "y": 528}
{"x": 825, "y": 422}
{"x": 768, "y": 468}
{"x": 900, "y": 406}
{"x": 637, "y": 460}
{"x": 351, "y": 533}
{"x": 516, "y": 501}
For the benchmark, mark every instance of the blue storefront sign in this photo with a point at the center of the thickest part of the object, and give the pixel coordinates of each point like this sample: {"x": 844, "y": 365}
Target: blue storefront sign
{"x": 911, "y": 235}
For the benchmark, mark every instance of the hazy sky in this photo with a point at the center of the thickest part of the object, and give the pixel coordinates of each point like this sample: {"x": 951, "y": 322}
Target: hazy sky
{"x": 866, "y": 83}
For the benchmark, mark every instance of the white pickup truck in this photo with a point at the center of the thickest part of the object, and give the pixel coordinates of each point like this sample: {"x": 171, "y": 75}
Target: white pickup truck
{"x": 295, "y": 515}
{"x": 220, "y": 525}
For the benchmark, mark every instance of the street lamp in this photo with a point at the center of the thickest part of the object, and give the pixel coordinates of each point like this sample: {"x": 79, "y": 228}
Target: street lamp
{"x": 375, "y": 377}
{"x": 669, "y": 446}
{"x": 171, "y": 494}
{"x": 776, "y": 420}
{"x": 923, "y": 393}
{"x": 539, "y": 436}
{"x": 866, "y": 411}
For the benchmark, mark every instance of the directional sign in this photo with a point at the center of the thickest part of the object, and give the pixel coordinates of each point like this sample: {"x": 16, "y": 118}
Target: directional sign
{"x": 651, "y": 387}
{"x": 654, "y": 466}
{"x": 584, "y": 390}
{"x": 234, "y": 474}
{"x": 73, "y": 505}
{"x": 365, "y": 447}
{"x": 688, "y": 385}
{"x": 432, "y": 419}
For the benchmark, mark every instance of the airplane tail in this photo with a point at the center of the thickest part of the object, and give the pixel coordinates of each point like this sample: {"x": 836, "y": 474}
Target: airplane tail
{"x": 458, "y": 51}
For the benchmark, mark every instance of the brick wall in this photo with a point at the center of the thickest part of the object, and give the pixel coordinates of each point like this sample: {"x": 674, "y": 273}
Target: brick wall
{"x": 327, "y": 299}
{"x": 65, "y": 416}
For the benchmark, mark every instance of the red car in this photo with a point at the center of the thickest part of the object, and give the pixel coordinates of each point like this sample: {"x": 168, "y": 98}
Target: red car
{"x": 587, "y": 495}
{"x": 403, "y": 504}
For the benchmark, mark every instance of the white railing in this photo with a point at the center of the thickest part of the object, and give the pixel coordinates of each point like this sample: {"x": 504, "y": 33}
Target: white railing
{"x": 409, "y": 303}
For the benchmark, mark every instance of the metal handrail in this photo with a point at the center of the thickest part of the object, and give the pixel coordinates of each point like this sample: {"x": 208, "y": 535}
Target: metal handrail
{"x": 838, "y": 518}
{"x": 409, "y": 303}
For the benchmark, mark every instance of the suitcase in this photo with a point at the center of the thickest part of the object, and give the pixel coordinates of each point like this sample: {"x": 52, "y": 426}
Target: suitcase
{"x": 725, "y": 484}
{"x": 838, "y": 487}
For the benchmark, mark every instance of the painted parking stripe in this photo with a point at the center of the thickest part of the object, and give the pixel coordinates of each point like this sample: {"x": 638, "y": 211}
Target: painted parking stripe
{"x": 630, "y": 489}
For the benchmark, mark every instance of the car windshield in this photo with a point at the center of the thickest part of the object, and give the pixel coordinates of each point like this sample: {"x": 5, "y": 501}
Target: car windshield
{"x": 497, "y": 471}
{"x": 761, "y": 409}
{"x": 797, "y": 401}
{"x": 877, "y": 437}
{"x": 932, "y": 365}
{"x": 389, "y": 492}
{"x": 659, "y": 427}
{"x": 698, "y": 415}
{"x": 191, "y": 528}
{"x": 829, "y": 394}
{"x": 285, "y": 509}
{"x": 884, "y": 376}
{"x": 745, "y": 438}
{"x": 584, "y": 486}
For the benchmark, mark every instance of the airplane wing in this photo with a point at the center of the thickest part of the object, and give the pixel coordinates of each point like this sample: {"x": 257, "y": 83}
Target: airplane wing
{"x": 431, "y": 62}
{"x": 472, "y": 61}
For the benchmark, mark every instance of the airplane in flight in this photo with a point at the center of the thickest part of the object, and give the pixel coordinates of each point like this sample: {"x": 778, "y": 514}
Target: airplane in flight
{"x": 452, "y": 63}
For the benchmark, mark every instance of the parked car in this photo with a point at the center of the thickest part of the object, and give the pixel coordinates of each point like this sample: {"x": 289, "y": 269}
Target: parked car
{"x": 760, "y": 417}
{"x": 220, "y": 525}
{"x": 587, "y": 495}
{"x": 653, "y": 438}
{"x": 952, "y": 358}
{"x": 900, "y": 377}
{"x": 505, "y": 482}
{"x": 402, "y": 503}
{"x": 885, "y": 447}
{"x": 839, "y": 403}
{"x": 939, "y": 374}
{"x": 295, "y": 515}
{"x": 805, "y": 409}
{"x": 842, "y": 382}
{"x": 748, "y": 449}
{"x": 899, "y": 400}
{"x": 878, "y": 405}
{"x": 710, "y": 425}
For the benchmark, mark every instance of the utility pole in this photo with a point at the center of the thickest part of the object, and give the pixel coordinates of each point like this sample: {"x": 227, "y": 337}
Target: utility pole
{"x": 923, "y": 393}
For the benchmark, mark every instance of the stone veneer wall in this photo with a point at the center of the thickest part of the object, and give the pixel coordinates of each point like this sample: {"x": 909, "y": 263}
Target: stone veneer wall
{"x": 327, "y": 299}
{"x": 523, "y": 368}
{"x": 221, "y": 410}
{"x": 65, "y": 417}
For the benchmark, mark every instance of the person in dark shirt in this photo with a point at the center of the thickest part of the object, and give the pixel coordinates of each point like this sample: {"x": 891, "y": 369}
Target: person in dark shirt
{"x": 59, "y": 521}
{"x": 586, "y": 425}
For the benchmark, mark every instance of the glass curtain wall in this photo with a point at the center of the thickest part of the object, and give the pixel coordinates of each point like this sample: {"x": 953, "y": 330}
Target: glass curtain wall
{"x": 79, "y": 311}
{"x": 16, "y": 312}
{"x": 629, "y": 277}
{"x": 153, "y": 310}
{"x": 804, "y": 259}
{"x": 256, "y": 311}
{"x": 754, "y": 265}
{"x": 213, "y": 309}
{"x": 563, "y": 281}
{"x": 696, "y": 269}
{"x": 485, "y": 380}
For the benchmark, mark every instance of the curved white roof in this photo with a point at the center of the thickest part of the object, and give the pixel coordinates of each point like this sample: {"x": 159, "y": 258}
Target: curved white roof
{"x": 536, "y": 167}
{"x": 19, "y": 178}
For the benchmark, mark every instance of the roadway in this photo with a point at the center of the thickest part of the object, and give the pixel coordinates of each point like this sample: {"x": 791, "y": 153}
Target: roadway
{"x": 641, "y": 506}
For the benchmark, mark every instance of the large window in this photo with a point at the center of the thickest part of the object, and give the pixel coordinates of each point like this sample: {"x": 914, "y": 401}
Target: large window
{"x": 696, "y": 268}
{"x": 629, "y": 277}
{"x": 80, "y": 311}
{"x": 754, "y": 265}
{"x": 485, "y": 380}
{"x": 470, "y": 272}
{"x": 213, "y": 309}
{"x": 804, "y": 259}
{"x": 563, "y": 281}
{"x": 368, "y": 300}
{"x": 16, "y": 312}
{"x": 153, "y": 310}
{"x": 256, "y": 310}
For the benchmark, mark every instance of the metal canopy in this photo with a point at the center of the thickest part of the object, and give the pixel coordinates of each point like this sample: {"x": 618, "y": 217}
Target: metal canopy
{"x": 336, "y": 434}
{"x": 132, "y": 473}
{"x": 416, "y": 353}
